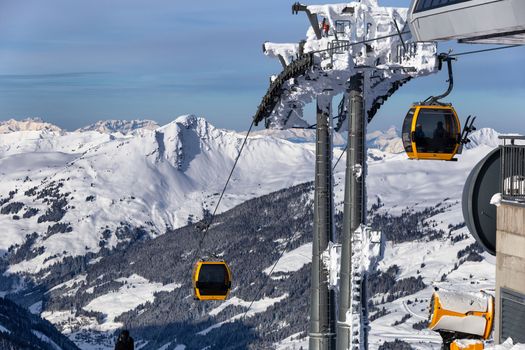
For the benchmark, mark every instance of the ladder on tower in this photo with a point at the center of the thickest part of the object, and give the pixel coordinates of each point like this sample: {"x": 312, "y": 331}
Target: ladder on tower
{"x": 356, "y": 330}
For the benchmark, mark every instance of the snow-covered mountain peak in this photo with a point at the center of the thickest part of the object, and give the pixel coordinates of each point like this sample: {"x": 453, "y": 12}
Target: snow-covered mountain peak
{"x": 149, "y": 178}
{"x": 484, "y": 136}
{"x": 28, "y": 124}
{"x": 189, "y": 120}
{"x": 386, "y": 141}
{"x": 122, "y": 126}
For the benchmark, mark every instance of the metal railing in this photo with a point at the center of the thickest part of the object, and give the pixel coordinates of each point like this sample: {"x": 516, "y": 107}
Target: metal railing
{"x": 513, "y": 168}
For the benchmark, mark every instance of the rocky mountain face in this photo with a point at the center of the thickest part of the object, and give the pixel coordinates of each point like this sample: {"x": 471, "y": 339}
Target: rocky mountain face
{"x": 29, "y": 124}
{"x": 101, "y": 232}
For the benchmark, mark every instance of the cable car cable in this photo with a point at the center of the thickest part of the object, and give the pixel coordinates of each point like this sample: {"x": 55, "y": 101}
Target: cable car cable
{"x": 206, "y": 228}
{"x": 359, "y": 42}
{"x": 408, "y": 32}
{"x": 282, "y": 254}
{"x": 209, "y": 223}
{"x": 484, "y": 50}
{"x": 340, "y": 156}
{"x": 289, "y": 240}
{"x": 227, "y": 181}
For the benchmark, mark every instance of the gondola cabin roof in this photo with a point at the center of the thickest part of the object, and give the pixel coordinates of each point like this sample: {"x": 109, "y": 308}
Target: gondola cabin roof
{"x": 211, "y": 280}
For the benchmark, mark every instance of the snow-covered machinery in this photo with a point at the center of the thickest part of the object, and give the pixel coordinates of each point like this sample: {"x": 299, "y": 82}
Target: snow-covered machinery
{"x": 459, "y": 315}
{"x": 467, "y": 344}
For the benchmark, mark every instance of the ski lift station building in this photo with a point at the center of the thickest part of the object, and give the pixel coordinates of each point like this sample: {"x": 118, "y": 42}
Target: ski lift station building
{"x": 491, "y": 22}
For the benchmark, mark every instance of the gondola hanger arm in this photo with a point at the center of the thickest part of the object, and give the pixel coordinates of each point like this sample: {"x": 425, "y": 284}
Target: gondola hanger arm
{"x": 432, "y": 100}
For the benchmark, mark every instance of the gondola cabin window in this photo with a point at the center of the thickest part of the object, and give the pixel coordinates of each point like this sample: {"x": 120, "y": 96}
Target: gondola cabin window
{"x": 436, "y": 131}
{"x": 425, "y": 5}
{"x": 407, "y": 131}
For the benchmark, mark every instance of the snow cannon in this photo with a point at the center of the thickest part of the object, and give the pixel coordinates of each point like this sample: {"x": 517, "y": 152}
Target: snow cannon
{"x": 459, "y": 315}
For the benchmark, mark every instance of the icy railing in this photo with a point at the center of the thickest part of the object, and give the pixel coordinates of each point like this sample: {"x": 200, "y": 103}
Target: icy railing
{"x": 357, "y": 37}
{"x": 513, "y": 168}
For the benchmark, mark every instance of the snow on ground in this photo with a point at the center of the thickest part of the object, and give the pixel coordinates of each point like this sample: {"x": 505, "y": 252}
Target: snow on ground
{"x": 299, "y": 135}
{"x": 507, "y": 345}
{"x": 27, "y": 124}
{"x": 136, "y": 291}
{"x": 76, "y": 282}
{"x": 401, "y": 183}
{"x": 120, "y": 126}
{"x": 46, "y": 339}
{"x": 36, "y": 308}
{"x": 165, "y": 346}
{"x": 258, "y": 306}
{"x": 293, "y": 260}
{"x": 293, "y": 342}
{"x": 430, "y": 260}
{"x": 165, "y": 177}
{"x": 4, "y": 330}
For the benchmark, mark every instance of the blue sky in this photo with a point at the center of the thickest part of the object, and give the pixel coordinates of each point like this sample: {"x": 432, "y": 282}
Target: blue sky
{"x": 74, "y": 62}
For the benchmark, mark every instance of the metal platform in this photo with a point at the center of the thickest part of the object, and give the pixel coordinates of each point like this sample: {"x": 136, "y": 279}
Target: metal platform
{"x": 468, "y": 21}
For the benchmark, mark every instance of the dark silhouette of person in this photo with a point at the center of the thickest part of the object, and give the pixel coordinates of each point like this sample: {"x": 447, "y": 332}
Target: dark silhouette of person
{"x": 419, "y": 138}
{"x": 419, "y": 134}
{"x": 439, "y": 138}
{"x": 325, "y": 27}
{"x": 439, "y": 133}
{"x": 125, "y": 341}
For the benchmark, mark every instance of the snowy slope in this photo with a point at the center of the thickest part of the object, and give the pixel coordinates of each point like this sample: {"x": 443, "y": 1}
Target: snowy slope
{"x": 156, "y": 179}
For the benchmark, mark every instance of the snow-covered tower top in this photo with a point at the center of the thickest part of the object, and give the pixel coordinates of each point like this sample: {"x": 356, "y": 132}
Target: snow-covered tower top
{"x": 343, "y": 40}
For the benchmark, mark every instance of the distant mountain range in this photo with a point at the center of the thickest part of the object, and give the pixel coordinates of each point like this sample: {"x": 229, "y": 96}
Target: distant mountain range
{"x": 102, "y": 126}
{"x": 121, "y": 126}
{"x": 29, "y": 124}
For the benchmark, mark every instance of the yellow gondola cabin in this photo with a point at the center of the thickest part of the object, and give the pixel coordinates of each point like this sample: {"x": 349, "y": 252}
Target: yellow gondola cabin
{"x": 431, "y": 132}
{"x": 211, "y": 280}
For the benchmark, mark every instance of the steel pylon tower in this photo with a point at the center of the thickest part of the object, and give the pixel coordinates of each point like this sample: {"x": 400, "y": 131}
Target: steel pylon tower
{"x": 354, "y": 215}
{"x": 322, "y": 298}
